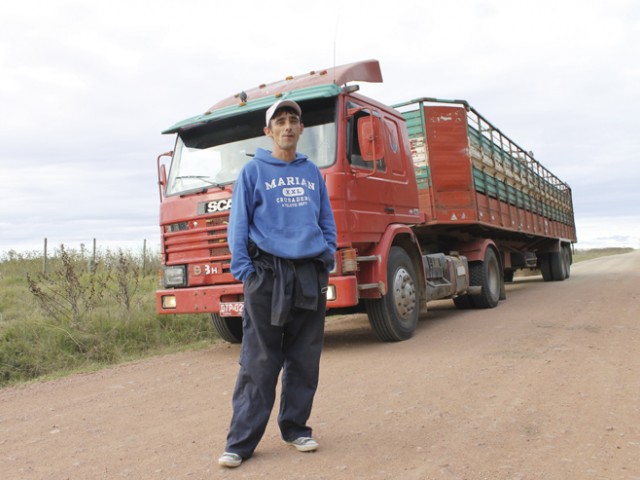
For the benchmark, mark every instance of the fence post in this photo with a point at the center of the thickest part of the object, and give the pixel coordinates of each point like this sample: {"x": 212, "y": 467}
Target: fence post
{"x": 144, "y": 256}
{"x": 93, "y": 257}
{"x": 44, "y": 258}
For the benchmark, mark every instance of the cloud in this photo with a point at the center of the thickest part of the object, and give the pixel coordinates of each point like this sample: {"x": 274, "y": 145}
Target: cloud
{"x": 87, "y": 88}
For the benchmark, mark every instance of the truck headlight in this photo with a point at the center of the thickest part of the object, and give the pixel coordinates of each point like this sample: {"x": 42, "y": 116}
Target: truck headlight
{"x": 175, "y": 276}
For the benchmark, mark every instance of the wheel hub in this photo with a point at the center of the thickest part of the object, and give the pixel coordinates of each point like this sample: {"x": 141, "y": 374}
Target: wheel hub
{"x": 404, "y": 293}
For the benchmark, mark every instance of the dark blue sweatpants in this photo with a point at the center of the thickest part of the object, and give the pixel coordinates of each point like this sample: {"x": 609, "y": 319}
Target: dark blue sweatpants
{"x": 266, "y": 350}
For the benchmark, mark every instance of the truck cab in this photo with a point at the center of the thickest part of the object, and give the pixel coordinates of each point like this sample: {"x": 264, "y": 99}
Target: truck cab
{"x": 371, "y": 185}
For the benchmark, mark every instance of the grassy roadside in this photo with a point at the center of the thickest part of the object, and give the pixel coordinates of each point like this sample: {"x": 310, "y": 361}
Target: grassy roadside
{"x": 82, "y": 316}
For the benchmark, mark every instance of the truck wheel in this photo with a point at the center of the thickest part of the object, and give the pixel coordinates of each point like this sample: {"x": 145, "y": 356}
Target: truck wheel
{"x": 228, "y": 328}
{"x": 463, "y": 302}
{"x": 394, "y": 316}
{"x": 566, "y": 254}
{"x": 545, "y": 267}
{"x": 508, "y": 275}
{"x": 488, "y": 275}
{"x": 557, "y": 265}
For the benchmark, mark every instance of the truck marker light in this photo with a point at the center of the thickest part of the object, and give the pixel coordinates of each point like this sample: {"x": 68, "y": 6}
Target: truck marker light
{"x": 349, "y": 260}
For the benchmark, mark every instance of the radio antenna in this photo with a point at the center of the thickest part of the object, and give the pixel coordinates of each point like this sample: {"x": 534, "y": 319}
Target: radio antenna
{"x": 335, "y": 42}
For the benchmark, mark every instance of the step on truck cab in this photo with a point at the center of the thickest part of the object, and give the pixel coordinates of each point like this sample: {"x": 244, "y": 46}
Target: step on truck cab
{"x": 431, "y": 201}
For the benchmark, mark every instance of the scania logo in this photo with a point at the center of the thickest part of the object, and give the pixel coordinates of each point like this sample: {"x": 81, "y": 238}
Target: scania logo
{"x": 218, "y": 206}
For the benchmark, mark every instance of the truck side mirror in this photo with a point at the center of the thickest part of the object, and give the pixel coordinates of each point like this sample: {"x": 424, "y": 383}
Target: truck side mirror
{"x": 370, "y": 138}
{"x": 163, "y": 176}
{"x": 162, "y": 173}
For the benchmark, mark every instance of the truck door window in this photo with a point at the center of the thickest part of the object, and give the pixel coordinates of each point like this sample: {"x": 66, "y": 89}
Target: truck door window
{"x": 394, "y": 154}
{"x": 355, "y": 156}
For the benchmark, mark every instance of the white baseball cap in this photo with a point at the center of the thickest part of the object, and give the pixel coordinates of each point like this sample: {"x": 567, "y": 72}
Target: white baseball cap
{"x": 282, "y": 104}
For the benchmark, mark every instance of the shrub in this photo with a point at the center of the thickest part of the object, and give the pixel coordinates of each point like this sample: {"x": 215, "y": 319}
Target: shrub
{"x": 87, "y": 313}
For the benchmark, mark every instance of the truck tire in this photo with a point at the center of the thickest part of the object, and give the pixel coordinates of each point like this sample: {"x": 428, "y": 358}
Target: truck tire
{"x": 463, "y": 302}
{"x": 555, "y": 266}
{"x": 394, "y": 316}
{"x": 228, "y": 328}
{"x": 545, "y": 267}
{"x": 508, "y": 275}
{"x": 566, "y": 251}
{"x": 488, "y": 275}
{"x": 558, "y": 266}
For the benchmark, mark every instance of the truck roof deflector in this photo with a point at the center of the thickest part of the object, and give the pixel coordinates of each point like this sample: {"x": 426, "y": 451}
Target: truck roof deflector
{"x": 364, "y": 71}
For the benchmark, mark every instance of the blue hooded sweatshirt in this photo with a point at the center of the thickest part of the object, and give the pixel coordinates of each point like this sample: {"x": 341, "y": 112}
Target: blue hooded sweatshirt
{"x": 283, "y": 208}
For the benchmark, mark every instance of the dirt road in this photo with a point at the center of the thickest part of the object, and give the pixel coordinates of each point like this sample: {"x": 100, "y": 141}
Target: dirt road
{"x": 546, "y": 386}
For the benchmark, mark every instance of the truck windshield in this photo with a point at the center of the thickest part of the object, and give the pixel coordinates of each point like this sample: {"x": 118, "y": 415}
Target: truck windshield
{"x": 198, "y": 164}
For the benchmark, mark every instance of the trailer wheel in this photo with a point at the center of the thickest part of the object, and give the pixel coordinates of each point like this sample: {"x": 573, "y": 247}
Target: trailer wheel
{"x": 228, "y": 328}
{"x": 566, "y": 254}
{"x": 394, "y": 316}
{"x": 557, "y": 265}
{"x": 508, "y": 275}
{"x": 463, "y": 302}
{"x": 488, "y": 275}
{"x": 545, "y": 267}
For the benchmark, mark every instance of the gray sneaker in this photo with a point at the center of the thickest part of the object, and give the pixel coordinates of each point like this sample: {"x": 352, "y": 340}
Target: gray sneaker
{"x": 304, "y": 444}
{"x": 230, "y": 460}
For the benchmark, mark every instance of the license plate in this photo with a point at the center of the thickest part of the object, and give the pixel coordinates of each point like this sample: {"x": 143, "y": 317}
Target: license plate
{"x": 231, "y": 309}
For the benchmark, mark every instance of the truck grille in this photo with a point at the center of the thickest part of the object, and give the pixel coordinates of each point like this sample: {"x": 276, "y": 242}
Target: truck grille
{"x": 200, "y": 240}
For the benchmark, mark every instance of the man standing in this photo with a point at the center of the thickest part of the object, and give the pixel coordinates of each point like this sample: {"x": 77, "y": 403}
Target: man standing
{"x": 282, "y": 237}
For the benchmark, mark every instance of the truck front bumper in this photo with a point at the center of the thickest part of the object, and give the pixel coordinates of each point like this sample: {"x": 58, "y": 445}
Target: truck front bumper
{"x": 207, "y": 299}
{"x": 194, "y": 299}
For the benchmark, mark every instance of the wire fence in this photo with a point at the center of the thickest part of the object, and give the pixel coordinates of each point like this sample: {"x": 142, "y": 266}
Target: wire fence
{"x": 147, "y": 259}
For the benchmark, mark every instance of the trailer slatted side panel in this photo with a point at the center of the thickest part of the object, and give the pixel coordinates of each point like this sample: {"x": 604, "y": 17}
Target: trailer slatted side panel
{"x": 452, "y": 145}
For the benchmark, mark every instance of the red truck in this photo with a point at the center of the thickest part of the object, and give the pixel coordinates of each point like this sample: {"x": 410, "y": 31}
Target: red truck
{"x": 431, "y": 201}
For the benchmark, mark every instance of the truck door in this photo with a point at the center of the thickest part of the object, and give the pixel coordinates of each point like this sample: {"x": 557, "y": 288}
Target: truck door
{"x": 380, "y": 192}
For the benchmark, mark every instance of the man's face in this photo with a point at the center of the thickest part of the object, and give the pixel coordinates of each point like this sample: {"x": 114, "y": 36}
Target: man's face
{"x": 285, "y": 129}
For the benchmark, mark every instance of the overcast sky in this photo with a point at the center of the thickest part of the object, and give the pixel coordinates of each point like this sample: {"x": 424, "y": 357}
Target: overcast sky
{"x": 87, "y": 86}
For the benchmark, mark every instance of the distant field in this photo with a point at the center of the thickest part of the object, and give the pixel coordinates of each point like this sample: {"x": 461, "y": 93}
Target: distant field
{"x": 581, "y": 255}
